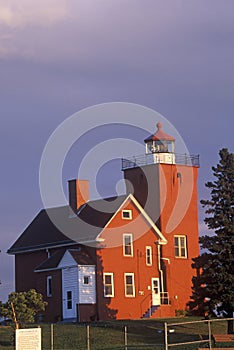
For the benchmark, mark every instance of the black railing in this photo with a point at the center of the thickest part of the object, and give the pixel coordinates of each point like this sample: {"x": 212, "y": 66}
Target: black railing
{"x": 164, "y": 158}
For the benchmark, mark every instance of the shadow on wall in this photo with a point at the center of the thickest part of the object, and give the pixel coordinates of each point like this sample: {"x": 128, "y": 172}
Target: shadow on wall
{"x": 104, "y": 312}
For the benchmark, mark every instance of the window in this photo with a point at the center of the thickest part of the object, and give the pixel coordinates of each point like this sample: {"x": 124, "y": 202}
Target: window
{"x": 180, "y": 246}
{"x": 69, "y": 299}
{"x": 129, "y": 284}
{"x": 49, "y": 286}
{"x": 108, "y": 280}
{"x": 127, "y": 214}
{"x": 86, "y": 280}
{"x": 148, "y": 255}
{"x": 127, "y": 244}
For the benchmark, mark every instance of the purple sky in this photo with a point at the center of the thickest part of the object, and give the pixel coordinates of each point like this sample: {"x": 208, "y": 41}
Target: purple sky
{"x": 59, "y": 56}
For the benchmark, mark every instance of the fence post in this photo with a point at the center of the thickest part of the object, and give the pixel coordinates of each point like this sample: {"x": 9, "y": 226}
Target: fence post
{"x": 125, "y": 338}
{"x": 88, "y": 338}
{"x": 166, "y": 337}
{"x": 52, "y": 336}
{"x": 209, "y": 332}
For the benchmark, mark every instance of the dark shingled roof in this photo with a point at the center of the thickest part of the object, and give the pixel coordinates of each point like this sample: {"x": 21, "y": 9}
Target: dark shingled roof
{"x": 82, "y": 227}
{"x": 80, "y": 256}
{"x": 52, "y": 262}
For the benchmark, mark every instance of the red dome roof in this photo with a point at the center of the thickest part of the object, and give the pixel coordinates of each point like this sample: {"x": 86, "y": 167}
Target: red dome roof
{"x": 159, "y": 135}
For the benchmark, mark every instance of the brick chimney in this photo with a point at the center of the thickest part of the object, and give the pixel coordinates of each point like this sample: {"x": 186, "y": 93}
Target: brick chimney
{"x": 78, "y": 193}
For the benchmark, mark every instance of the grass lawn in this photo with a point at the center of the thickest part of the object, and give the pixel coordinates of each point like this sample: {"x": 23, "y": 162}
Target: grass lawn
{"x": 141, "y": 334}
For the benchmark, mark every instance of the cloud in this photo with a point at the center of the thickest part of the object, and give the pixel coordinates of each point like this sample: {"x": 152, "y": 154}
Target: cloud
{"x": 94, "y": 37}
{"x": 34, "y": 13}
{"x": 21, "y": 20}
{"x": 5, "y": 15}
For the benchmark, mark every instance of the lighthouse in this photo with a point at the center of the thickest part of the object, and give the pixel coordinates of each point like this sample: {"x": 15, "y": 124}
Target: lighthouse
{"x": 165, "y": 184}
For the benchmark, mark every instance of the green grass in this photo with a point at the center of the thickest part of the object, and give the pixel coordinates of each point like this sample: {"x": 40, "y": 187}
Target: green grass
{"x": 142, "y": 334}
{"x": 6, "y": 338}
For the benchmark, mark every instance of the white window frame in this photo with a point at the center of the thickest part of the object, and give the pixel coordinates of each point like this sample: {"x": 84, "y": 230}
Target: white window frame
{"x": 49, "y": 286}
{"x": 111, "y": 275}
{"x": 125, "y": 235}
{"x": 127, "y": 295}
{"x": 180, "y": 248}
{"x": 148, "y": 257}
{"x": 129, "y": 211}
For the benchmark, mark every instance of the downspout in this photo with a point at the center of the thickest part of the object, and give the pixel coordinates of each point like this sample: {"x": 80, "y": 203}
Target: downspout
{"x": 159, "y": 267}
{"x": 78, "y": 304}
{"x": 138, "y": 270}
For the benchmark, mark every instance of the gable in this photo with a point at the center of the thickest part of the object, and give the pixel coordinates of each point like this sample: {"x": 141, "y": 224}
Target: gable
{"x": 75, "y": 257}
{"x": 137, "y": 221}
{"x": 67, "y": 261}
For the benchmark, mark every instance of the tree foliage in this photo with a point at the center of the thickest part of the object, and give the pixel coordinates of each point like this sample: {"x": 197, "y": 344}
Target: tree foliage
{"x": 26, "y": 306}
{"x": 213, "y": 287}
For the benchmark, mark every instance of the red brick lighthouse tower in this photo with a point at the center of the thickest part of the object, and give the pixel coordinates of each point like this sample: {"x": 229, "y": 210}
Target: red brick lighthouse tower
{"x": 165, "y": 184}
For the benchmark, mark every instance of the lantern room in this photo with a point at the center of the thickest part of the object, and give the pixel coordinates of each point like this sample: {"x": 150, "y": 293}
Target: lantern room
{"x": 161, "y": 145}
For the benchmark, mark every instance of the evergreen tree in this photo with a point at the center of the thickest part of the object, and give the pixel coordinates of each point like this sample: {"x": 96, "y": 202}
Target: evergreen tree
{"x": 213, "y": 287}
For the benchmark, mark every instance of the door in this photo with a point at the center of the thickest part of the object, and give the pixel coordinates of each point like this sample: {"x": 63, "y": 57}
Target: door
{"x": 69, "y": 305}
{"x": 70, "y": 291}
{"x": 155, "y": 291}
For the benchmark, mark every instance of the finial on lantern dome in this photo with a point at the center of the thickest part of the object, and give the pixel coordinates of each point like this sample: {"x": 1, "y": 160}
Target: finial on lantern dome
{"x": 159, "y": 125}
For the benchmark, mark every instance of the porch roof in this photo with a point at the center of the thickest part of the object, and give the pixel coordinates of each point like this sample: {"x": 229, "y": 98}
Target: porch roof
{"x": 52, "y": 263}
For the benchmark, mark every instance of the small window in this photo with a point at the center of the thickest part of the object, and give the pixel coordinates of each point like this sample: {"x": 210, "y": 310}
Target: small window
{"x": 129, "y": 284}
{"x": 179, "y": 176}
{"x": 69, "y": 299}
{"x": 148, "y": 255}
{"x": 108, "y": 280}
{"x": 49, "y": 286}
{"x": 127, "y": 244}
{"x": 86, "y": 280}
{"x": 180, "y": 246}
{"x": 127, "y": 214}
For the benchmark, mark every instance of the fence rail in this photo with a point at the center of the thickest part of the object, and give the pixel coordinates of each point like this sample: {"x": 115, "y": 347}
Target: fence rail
{"x": 120, "y": 335}
{"x": 209, "y": 332}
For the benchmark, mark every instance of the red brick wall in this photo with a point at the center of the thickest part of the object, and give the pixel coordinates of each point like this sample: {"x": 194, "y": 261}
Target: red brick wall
{"x": 26, "y": 278}
{"x": 88, "y": 312}
{"x": 179, "y": 271}
{"x": 112, "y": 260}
{"x": 162, "y": 185}
{"x": 25, "y": 263}
{"x": 53, "y": 311}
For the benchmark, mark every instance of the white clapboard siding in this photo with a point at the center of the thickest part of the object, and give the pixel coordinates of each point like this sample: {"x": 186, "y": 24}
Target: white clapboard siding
{"x": 87, "y": 292}
{"x": 78, "y": 281}
{"x": 67, "y": 261}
